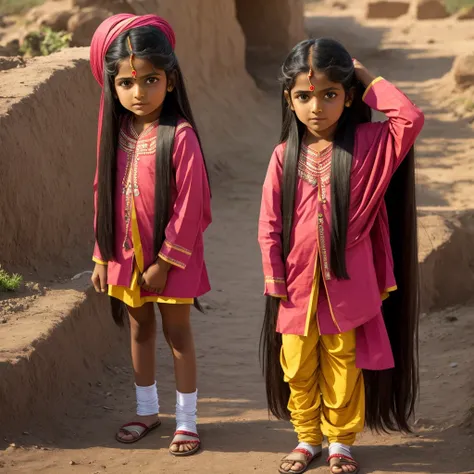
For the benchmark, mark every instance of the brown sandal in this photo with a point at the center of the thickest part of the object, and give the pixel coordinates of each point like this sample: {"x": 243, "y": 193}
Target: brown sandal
{"x": 298, "y": 455}
{"x": 135, "y": 427}
{"x": 183, "y": 437}
{"x": 340, "y": 461}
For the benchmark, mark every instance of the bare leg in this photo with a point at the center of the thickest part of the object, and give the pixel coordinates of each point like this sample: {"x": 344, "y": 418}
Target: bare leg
{"x": 143, "y": 336}
{"x": 178, "y": 334}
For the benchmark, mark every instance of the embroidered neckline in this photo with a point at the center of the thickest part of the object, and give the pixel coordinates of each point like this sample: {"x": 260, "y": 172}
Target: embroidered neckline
{"x": 319, "y": 154}
{"x": 315, "y": 168}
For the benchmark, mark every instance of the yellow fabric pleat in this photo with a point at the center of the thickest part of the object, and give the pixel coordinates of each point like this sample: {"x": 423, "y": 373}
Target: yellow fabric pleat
{"x": 131, "y": 296}
{"x": 327, "y": 394}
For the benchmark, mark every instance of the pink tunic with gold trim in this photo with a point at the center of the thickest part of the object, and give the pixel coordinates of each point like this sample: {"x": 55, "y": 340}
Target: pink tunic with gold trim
{"x": 343, "y": 305}
{"x": 191, "y": 213}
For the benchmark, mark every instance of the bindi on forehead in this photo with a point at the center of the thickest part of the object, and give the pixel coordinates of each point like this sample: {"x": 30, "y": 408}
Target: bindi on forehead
{"x": 142, "y": 67}
{"x": 318, "y": 79}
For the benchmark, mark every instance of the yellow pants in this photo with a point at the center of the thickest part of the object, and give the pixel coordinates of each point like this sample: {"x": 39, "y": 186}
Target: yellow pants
{"x": 327, "y": 390}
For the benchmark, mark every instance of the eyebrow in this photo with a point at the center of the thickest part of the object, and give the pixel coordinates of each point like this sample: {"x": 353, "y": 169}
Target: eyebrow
{"x": 141, "y": 77}
{"x": 329, "y": 89}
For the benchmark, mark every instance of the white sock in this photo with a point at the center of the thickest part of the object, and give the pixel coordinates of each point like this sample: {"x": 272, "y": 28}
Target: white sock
{"x": 186, "y": 409}
{"x": 147, "y": 400}
{"x": 339, "y": 448}
{"x": 311, "y": 448}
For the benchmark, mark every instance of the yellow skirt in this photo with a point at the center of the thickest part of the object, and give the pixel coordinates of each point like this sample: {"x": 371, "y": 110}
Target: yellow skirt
{"x": 131, "y": 296}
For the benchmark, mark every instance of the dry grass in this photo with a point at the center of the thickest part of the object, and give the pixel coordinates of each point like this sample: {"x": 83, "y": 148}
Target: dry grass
{"x": 16, "y": 7}
{"x": 455, "y": 5}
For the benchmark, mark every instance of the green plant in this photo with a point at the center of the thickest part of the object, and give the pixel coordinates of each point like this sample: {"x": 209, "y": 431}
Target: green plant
{"x": 454, "y": 5}
{"x": 16, "y": 7}
{"x": 9, "y": 282}
{"x": 44, "y": 42}
{"x": 469, "y": 105}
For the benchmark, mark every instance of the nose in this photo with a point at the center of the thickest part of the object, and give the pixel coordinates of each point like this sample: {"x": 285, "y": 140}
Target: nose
{"x": 138, "y": 91}
{"x": 315, "y": 106}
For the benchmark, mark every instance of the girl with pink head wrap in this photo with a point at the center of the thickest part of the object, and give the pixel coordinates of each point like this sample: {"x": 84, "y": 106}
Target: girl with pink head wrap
{"x": 152, "y": 206}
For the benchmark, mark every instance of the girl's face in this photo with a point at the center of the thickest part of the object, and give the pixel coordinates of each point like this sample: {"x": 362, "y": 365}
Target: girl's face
{"x": 143, "y": 95}
{"x": 321, "y": 109}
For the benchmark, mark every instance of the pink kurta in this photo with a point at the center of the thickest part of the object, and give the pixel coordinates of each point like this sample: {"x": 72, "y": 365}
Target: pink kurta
{"x": 344, "y": 304}
{"x": 191, "y": 212}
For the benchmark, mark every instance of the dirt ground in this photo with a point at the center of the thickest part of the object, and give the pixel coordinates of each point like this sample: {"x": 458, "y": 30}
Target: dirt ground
{"x": 237, "y": 435}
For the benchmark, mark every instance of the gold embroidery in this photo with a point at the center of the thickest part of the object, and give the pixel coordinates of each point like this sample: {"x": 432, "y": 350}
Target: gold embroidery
{"x": 172, "y": 261}
{"x": 134, "y": 146}
{"x": 315, "y": 168}
{"x": 183, "y": 125}
{"x": 322, "y": 247}
{"x": 377, "y": 79}
{"x": 177, "y": 247}
{"x": 274, "y": 280}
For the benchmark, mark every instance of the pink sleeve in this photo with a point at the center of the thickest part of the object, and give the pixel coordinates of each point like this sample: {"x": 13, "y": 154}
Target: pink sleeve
{"x": 96, "y": 256}
{"x": 191, "y": 208}
{"x": 380, "y": 148}
{"x": 270, "y": 229}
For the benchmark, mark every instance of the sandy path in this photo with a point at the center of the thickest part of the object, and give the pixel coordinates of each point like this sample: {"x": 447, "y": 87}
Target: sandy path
{"x": 237, "y": 435}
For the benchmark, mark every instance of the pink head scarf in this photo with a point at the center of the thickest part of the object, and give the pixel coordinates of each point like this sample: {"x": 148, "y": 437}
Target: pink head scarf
{"x": 107, "y": 33}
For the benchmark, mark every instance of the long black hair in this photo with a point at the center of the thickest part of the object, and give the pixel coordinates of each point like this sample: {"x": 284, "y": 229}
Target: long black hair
{"x": 391, "y": 394}
{"x": 151, "y": 44}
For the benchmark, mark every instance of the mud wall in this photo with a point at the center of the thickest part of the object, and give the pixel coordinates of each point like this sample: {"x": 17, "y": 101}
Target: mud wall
{"x": 48, "y": 130}
{"x": 270, "y": 25}
{"x": 47, "y": 135}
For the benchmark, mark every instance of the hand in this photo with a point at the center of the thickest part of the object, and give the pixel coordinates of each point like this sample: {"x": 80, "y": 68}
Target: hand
{"x": 155, "y": 277}
{"x": 99, "y": 278}
{"x": 363, "y": 75}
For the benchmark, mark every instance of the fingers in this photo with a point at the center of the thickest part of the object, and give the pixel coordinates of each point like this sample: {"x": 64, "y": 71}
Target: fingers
{"x": 96, "y": 282}
{"x": 150, "y": 289}
{"x": 103, "y": 284}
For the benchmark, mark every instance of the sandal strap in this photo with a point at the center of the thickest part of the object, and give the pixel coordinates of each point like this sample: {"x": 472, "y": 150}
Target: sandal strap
{"x": 307, "y": 453}
{"x": 135, "y": 423}
{"x": 305, "y": 460}
{"x": 186, "y": 433}
{"x": 189, "y": 434}
{"x": 344, "y": 460}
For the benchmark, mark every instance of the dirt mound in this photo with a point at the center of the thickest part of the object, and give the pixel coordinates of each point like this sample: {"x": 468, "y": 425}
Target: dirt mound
{"x": 386, "y": 9}
{"x": 466, "y": 13}
{"x": 463, "y": 71}
{"x": 431, "y": 10}
{"x": 446, "y": 259}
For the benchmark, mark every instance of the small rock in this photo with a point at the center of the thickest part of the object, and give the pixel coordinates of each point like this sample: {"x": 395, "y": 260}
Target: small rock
{"x": 431, "y": 41}
{"x": 453, "y": 365}
{"x": 83, "y": 24}
{"x": 114, "y": 6}
{"x": 431, "y": 10}
{"x": 72, "y": 463}
{"x": 340, "y": 5}
{"x": 13, "y": 445}
{"x": 466, "y": 13}
{"x": 3, "y": 320}
{"x": 56, "y": 20}
{"x": 463, "y": 70}
{"x": 381, "y": 9}
{"x": 12, "y": 48}
{"x": 11, "y": 62}
{"x": 451, "y": 319}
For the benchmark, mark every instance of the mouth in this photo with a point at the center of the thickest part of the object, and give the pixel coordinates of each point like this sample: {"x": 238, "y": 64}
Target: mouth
{"x": 139, "y": 105}
{"x": 316, "y": 119}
